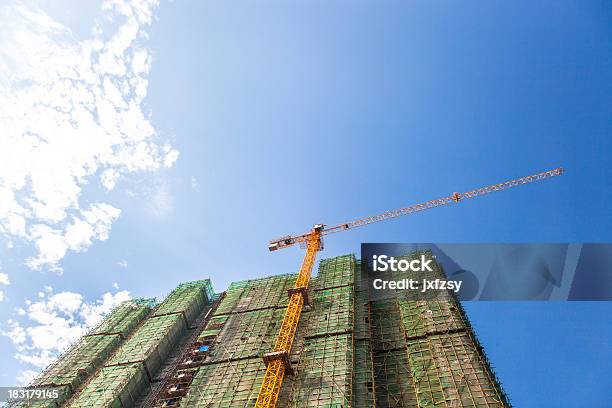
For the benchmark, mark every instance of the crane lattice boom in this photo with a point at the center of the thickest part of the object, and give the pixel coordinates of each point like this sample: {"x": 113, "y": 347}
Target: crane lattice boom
{"x": 278, "y": 361}
{"x": 289, "y": 240}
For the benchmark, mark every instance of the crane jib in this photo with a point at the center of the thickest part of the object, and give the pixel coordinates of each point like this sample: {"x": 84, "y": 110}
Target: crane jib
{"x": 289, "y": 240}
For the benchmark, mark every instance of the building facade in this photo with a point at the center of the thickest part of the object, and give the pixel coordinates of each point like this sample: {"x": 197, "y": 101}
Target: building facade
{"x": 201, "y": 349}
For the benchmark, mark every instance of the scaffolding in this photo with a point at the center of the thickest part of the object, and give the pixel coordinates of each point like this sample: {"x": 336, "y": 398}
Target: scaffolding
{"x": 332, "y": 312}
{"x": 338, "y": 271}
{"x": 113, "y": 386}
{"x": 243, "y": 328}
{"x": 324, "y": 374}
{"x": 188, "y": 299}
{"x": 323, "y": 352}
{"x": 236, "y": 336}
{"x": 128, "y": 373}
{"x": 68, "y": 373}
{"x": 447, "y": 371}
{"x": 175, "y": 378}
{"x": 124, "y": 318}
{"x": 200, "y": 349}
{"x": 425, "y": 352}
{"x": 364, "y": 383}
{"x": 245, "y": 335}
{"x": 152, "y": 343}
{"x": 394, "y": 387}
{"x": 232, "y": 383}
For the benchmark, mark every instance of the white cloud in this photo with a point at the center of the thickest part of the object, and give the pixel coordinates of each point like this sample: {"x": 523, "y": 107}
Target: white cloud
{"x": 53, "y": 322}
{"x": 4, "y": 279}
{"x": 26, "y": 376}
{"x": 159, "y": 200}
{"x": 123, "y": 263}
{"x": 71, "y": 112}
{"x": 195, "y": 185}
{"x": 16, "y": 332}
{"x": 109, "y": 178}
{"x": 52, "y": 244}
{"x": 92, "y": 313}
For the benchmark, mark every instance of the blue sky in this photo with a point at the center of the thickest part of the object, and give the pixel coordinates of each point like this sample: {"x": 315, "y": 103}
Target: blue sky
{"x": 285, "y": 115}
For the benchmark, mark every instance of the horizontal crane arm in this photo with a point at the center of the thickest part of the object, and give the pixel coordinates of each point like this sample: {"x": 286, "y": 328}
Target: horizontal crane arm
{"x": 289, "y": 240}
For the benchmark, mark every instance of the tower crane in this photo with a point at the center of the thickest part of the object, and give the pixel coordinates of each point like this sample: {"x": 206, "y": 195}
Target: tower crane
{"x": 278, "y": 361}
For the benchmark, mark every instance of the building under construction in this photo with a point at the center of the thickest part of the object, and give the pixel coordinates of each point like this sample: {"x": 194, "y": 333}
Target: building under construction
{"x": 201, "y": 349}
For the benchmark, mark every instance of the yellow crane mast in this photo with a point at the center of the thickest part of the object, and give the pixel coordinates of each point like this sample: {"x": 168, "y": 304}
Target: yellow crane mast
{"x": 278, "y": 361}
